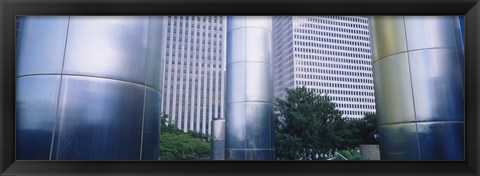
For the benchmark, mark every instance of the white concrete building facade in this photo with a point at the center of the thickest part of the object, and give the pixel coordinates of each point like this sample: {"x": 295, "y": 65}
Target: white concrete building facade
{"x": 326, "y": 54}
{"x": 194, "y": 79}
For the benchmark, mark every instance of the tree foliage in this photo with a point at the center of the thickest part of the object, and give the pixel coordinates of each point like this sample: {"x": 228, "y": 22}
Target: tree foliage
{"x": 183, "y": 147}
{"x": 198, "y": 135}
{"x": 178, "y": 145}
{"x": 367, "y": 129}
{"x": 168, "y": 127}
{"x": 362, "y": 131}
{"x": 307, "y": 124}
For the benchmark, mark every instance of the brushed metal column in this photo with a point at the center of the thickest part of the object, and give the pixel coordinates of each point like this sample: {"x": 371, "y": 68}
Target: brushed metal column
{"x": 249, "y": 113}
{"x": 218, "y": 139}
{"x": 418, "y": 78}
{"x": 89, "y": 87}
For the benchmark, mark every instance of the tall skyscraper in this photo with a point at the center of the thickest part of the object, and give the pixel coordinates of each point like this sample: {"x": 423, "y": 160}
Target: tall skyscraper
{"x": 326, "y": 54}
{"x": 194, "y": 71}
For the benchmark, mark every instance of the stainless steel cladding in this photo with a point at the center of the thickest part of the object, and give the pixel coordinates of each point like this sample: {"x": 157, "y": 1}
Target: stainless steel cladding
{"x": 418, "y": 78}
{"x": 218, "y": 139}
{"x": 88, "y": 88}
{"x": 249, "y": 116}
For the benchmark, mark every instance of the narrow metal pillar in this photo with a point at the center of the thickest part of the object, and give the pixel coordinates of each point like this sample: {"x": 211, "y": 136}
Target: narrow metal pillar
{"x": 418, "y": 78}
{"x": 218, "y": 139}
{"x": 249, "y": 116}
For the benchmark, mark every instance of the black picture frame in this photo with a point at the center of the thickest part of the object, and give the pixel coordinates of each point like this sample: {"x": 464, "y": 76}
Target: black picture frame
{"x": 10, "y": 8}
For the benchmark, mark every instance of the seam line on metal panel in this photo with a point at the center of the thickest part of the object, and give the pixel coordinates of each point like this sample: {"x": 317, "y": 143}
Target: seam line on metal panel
{"x": 88, "y": 76}
{"x": 407, "y": 51}
{"x": 250, "y": 27}
{"x": 458, "y": 58}
{"x": 147, "y": 54}
{"x": 58, "y": 99}
{"x": 231, "y": 63}
{"x": 411, "y": 88}
{"x": 460, "y": 72}
{"x": 399, "y": 123}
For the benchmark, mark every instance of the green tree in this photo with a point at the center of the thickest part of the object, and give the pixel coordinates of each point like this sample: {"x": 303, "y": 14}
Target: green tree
{"x": 352, "y": 133}
{"x": 369, "y": 130}
{"x": 200, "y": 136}
{"x": 178, "y": 145}
{"x": 167, "y": 126}
{"x": 307, "y": 124}
{"x": 362, "y": 131}
{"x": 183, "y": 147}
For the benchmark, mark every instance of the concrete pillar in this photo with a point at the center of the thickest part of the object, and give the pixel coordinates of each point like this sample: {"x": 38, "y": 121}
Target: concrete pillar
{"x": 419, "y": 82}
{"x": 249, "y": 113}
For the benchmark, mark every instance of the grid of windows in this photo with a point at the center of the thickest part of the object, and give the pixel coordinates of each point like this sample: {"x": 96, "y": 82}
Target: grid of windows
{"x": 194, "y": 76}
{"x": 326, "y": 54}
{"x": 283, "y": 52}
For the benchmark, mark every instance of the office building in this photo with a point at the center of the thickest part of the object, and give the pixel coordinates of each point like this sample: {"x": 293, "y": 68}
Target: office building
{"x": 326, "y": 54}
{"x": 194, "y": 71}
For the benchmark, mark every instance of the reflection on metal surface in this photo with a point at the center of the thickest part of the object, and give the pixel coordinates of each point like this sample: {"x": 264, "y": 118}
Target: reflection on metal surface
{"x": 218, "y": 139}
{"x": 237, "y": 81}
{"x": 437, "y": 87}
{"x": 100, "y": 119}
{"x": 398, "y": 142}
{"x": 249, "y": 89}
{"x": 262, "y": 50}
{"x": 430, "y": 32}
{"x": 259, "y": 83}
{"x": 390, "y": 32}
{"x": 449, "y": 133}
{"x": 110, "y": 110}
{"x": 41, "y": 44}
{"x": 36, "y": 104}
{"x": 258, "y": 117}
{"x": 235, "y": 134}
{"x": 151, "y": 125}
{"x": 391, "y": 74}
{"x": 113, "y": 47}
{"x": 419, "y": 87}
{"x": 236, "y": 39}
{"x": 155, "y": 50}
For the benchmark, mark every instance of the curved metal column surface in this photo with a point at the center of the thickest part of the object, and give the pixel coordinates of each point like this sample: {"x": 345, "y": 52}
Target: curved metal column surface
{"x": 418, "y": 78}
{"x": 249, "y": 119}
{"x": 94, "y": 94}
{"x": 218, "y": 139}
